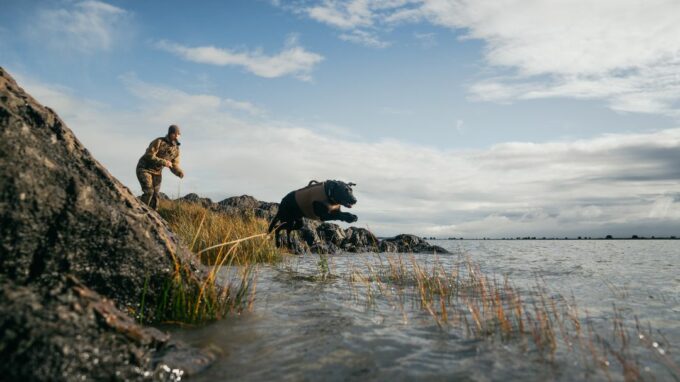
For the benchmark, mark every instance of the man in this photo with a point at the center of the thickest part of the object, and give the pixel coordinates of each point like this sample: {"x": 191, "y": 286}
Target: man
{"x": 162, "y": 152}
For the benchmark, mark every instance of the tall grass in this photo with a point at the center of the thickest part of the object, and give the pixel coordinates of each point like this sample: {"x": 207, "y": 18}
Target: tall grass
{"x": 205, "y": 231}
{"x": 463, "y": 297}
{"x": 218, "y": 240}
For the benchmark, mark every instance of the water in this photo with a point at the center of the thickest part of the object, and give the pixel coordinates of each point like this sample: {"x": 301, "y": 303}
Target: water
{"x": 303, "y": 329}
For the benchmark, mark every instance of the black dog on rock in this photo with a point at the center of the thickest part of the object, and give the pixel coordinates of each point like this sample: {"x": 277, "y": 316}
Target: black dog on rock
{"x": 318, "y": 201}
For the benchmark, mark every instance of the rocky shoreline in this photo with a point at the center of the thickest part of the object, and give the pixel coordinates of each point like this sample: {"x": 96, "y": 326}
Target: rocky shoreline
{"x": 81, "y": 258}
{"x": 315, "y": 236}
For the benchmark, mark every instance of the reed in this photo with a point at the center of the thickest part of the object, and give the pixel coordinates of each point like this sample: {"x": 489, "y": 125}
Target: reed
{"x": 235, "y": 243}
{"x": 206, "y": 231}
{"x": 462, "y": 297}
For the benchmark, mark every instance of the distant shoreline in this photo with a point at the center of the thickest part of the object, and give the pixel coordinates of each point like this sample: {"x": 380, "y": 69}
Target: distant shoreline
{"x": 634, "y": 237}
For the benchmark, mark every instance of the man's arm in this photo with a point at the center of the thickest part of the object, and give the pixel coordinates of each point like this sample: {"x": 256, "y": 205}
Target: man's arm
{"x": 175, "y": 167}
{"x": 151, "y": 151}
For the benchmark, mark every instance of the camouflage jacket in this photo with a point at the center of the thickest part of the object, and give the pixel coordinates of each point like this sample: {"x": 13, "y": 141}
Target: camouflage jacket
{"x": 160, "y": 150}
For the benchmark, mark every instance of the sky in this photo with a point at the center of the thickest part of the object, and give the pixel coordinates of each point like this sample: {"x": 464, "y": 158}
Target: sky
{"x": 456, "y": 118}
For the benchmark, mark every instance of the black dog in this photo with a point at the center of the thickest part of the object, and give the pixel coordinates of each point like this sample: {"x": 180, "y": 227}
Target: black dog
{"x": 318, "y": 201}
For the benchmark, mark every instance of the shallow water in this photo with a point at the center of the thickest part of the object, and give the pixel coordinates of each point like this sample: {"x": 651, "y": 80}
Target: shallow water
{"x": 301, "y": 329}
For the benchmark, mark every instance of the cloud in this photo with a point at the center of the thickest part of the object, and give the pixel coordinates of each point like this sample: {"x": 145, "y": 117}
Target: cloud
{"x": 619, "y": 184}
{"x": 364, "y": 38}
{"x": 245, "y": 106}
{"x": 622, "y": 51}
{"x": 85, "y": 26}
{"x": 343, "y": 14}
{"x": 293, "y": 60}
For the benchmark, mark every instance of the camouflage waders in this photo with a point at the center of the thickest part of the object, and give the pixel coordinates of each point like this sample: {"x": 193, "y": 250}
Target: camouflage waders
{"x": 151, "y": 187}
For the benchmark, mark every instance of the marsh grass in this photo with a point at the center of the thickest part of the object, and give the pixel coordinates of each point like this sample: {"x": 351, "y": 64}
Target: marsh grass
{"x": 463, "y": 298}
{"x": 238, "y": 243}
{"x": 205, "y": 232}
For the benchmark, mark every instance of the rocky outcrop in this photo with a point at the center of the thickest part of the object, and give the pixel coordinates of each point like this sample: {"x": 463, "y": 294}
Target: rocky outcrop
{"x": 75, "y": 247}
{"x": 318, "y": 237}
{"x": 409, "y": 243}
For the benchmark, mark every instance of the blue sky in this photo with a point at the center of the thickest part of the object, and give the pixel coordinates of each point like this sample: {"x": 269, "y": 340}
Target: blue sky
{"x": 456, "y": 118}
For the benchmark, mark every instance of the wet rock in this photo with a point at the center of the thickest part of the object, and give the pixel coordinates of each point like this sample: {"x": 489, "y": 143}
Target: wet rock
{"x": 410, "y": 244}
{"x": 64, "y": 217}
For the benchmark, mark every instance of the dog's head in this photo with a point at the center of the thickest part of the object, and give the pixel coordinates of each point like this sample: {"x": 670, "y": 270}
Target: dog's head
{"x": 340, "y": 192}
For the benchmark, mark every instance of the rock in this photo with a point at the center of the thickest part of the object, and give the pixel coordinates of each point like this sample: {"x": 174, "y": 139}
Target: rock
{"x": 308, "y": 231}
{"x": 410, "y": 244}
{"x": 194, "y": 198}
{"x": 388, "y": 246}
{"x": 359, "y": 240}
{"x": 64, "y": 217}
{"x": 248, "y": 205}
{"x": 243, "y": 202}
{"x": 331, "y": 233}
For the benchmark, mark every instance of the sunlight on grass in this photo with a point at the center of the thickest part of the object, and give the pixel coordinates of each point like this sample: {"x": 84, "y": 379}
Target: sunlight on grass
{"x": 230, "y": 247}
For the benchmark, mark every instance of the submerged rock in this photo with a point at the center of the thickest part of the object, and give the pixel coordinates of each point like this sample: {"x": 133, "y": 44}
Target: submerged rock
{"x": 75, "y": 246}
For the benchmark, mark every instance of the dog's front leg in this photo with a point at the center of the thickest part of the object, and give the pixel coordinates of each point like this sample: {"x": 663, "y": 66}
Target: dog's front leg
{"x": 326, "y": 214}
{"x": 346, "y": 217}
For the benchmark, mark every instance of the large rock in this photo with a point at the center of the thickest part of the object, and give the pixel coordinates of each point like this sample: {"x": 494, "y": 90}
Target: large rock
{"x": 64, "y": 217}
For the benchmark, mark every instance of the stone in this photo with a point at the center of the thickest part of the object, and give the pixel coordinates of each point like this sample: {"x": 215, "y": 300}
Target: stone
{"x": 76, "y": 251}
{"x": 359, "y": 240}
{"x": 194, "y": 198}
{"x": 406, "y": 243}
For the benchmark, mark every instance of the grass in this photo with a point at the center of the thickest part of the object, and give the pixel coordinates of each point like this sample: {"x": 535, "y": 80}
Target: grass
{"x": 205, "y": 232}
{"x": 218, "y": 240}
{"x": 462, "y": 297}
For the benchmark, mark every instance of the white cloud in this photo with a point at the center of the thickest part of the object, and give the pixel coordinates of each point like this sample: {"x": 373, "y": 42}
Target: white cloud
{"x": 86, "y": 26}
{"x": 343, "y": 14}
{"x": 625, "y": 52}
{"x": 611, "y": 184}
{"x": 246, "y": 106}
{"x": 364, "y": 38}
{"x": 293, "y": 60}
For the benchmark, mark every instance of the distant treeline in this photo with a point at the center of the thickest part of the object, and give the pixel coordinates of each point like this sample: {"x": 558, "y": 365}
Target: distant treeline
{"x": 608, "y": 237}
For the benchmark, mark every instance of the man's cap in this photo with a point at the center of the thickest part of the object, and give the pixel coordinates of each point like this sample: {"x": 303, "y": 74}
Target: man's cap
{"x": 173, "y": 129}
